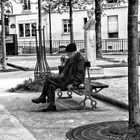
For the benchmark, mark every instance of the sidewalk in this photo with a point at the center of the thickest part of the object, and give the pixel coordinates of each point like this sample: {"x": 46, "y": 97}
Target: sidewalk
{"x": 53, "y": 61}
{"x": 11, "y": 128}
{"x": 53, "y": 126}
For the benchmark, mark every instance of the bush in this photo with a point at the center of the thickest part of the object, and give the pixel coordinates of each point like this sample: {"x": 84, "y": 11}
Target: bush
{"x": 29, "y": 85}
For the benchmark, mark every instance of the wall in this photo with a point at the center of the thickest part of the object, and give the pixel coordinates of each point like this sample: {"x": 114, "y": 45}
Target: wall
{"x": 57, "y": 25}
{"x": 78, "y": 22}
{"x": 122, "y": 21}
{"x": 18, "y": 8}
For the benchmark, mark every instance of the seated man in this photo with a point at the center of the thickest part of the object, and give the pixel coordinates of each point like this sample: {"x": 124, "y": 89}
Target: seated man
{"x": 71, "y": 75}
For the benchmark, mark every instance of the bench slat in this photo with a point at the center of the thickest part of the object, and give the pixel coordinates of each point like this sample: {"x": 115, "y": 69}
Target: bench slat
{"x": 98, "y": 85}
{"x": 78, "y": 88}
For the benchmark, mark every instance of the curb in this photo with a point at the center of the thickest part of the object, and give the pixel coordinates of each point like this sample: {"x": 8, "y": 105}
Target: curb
{"x": 108, "y": 77}
{"x": 111, "y": 101}
{"x": 113, "y": 65}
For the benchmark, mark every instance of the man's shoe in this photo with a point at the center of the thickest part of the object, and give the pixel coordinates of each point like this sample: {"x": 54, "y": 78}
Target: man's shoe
{"x": 50, "y": 108}
{"x": 39, "y": 100}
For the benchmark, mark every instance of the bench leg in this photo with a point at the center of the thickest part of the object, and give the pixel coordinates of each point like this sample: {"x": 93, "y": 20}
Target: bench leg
{"x": 83, "y": 102}
{"x": 69, "y": 93}
{"x": 86, "y": 95}
{"x": 59, "y": 94}
{"x": 93, "y": 102}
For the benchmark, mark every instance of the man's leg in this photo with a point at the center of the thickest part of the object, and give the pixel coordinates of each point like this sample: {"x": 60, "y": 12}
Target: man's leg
{"x": 50, "y": 85}
{"x": 42, "y": 97}
{"x": 51, "y": 97}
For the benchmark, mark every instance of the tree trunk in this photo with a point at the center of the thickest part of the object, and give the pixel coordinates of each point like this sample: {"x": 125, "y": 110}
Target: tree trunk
{"x": 133, "y": 81}
{"x": 40, "y": 38}
{"x": 98, "y": 28}
{"x": 50, "y": 29}
{"x": 71, "y": 22}
{"x": 3, "y": 38}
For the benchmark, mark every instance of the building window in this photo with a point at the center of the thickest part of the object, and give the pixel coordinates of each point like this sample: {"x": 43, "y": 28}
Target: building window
{"x": 66, "y": 25}
{"x": 26, "y": 5}
{"x": 112, "y": 1}
{"x": 85, "y": 21}
{"x": 113, "y": 26}
{"x": 27, "y": 30}
{"x": 21, "y": 30}
{"x": 33, "y": 26}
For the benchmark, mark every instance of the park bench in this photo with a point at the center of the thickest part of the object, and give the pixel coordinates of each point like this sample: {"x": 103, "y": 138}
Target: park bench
{"x": 87, "y": 89}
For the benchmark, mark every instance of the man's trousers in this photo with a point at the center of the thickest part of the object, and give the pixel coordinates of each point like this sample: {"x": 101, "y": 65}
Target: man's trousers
{"x": 50, "y": 85}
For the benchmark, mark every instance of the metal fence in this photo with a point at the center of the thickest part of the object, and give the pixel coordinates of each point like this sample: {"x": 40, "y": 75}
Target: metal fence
{"x": 108, "y": 45}
{"x": 30, "y": 46}
{"x": 114, "y": 45}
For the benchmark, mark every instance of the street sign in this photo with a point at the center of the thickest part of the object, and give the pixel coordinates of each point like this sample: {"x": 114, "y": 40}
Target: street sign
{"x": 9, "y": 39}
{"x": 12, "y": 26}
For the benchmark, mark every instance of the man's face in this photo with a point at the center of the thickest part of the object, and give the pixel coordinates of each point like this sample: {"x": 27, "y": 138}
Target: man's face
{"x": 69, "y": 54}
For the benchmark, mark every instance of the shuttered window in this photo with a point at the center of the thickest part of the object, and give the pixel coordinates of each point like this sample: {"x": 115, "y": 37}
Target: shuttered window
{"x": 27, "y": 29}
{"x": 26, "y": 5}
{"x": 113, "y": 26}
{"x": 66, "y": 25}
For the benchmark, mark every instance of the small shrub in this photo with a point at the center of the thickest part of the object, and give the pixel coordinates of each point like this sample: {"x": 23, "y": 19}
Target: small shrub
{"x": 29, "y": 85}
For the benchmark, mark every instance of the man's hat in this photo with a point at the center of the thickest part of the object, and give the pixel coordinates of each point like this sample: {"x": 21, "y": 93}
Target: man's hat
{"x": 71, "y": 47}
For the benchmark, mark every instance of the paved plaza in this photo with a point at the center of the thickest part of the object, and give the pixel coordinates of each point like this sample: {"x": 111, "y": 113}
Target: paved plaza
{"x": 20, "y": 119}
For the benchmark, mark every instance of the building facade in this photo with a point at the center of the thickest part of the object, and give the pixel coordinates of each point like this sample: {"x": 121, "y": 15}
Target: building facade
{"x": 24, "y": 20}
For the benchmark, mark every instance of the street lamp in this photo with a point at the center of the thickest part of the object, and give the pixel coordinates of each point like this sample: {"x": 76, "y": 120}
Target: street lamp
{"x": 7, "y": 21}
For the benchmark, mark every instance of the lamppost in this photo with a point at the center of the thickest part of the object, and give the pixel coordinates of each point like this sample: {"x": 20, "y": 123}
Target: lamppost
{"x": 7, "y": 21}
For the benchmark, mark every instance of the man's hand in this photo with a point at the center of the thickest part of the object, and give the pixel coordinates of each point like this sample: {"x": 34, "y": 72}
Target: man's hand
{"x": 61, "y": 75}
{"x": 69, "y": 86}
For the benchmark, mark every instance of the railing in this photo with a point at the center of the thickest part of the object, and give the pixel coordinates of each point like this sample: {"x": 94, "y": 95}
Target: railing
{"x": 30, "y": 46}
{"x": 108, "y": 45}
{"x": 114, "y": 45}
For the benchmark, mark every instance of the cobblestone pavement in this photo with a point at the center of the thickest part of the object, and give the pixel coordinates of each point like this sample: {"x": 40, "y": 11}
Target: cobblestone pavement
{"x": 118, "y": 88}
{"x": 54, "y": 125}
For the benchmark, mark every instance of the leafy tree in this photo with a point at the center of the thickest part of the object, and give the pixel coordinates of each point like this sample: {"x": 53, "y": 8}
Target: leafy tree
{"x": 63, "y": 5}
{"x": 60, "y": 6}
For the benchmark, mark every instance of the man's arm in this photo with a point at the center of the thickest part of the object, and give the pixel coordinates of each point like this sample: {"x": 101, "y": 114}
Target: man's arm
{"x": 80, "y": 73}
